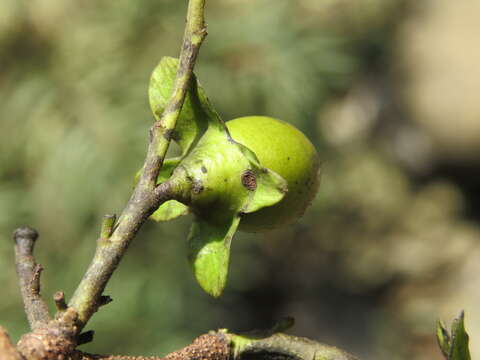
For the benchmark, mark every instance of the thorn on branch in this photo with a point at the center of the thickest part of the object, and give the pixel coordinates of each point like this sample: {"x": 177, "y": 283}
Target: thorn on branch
{"x": 85, "y": 337}
{"x": 104, "y": 300}
{"x": 28, "y": 272}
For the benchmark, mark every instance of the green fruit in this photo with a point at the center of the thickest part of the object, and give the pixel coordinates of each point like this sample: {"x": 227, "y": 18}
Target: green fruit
{"x": 286, "y": 150}
{"x": 257, "y": 174}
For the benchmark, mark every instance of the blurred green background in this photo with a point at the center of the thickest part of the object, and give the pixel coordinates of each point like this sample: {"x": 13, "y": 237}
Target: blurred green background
{"x": 386, "y": 89}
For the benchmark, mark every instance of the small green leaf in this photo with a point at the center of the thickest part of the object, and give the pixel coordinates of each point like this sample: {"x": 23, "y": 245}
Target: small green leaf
{"x": 209, "y": 253}
{"x": 454, "y": 345}
{"x": 191, "y": 122}
{"x": 459, "y": 346}
{"x": 169, "y": 210}
{"x": 443, "y": 338}
{"x": 197, "y": 111}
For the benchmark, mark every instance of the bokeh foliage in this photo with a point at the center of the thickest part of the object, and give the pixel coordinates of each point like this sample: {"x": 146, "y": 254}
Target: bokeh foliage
{"x": 389, "y": 245}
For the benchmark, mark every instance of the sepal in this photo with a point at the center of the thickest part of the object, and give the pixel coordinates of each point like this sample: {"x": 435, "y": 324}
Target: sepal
{"x": 209, "y": 253}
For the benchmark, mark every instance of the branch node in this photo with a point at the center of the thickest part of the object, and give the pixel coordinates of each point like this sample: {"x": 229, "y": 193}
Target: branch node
{"x": 107, "y": 226}
{"x": 54, "y": 341}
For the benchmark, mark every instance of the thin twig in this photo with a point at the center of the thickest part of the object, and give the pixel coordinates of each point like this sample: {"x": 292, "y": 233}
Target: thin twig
{"x": 59, "y": 299}
{"x": 28, "y": 272}
{"x": 147, "y": 195}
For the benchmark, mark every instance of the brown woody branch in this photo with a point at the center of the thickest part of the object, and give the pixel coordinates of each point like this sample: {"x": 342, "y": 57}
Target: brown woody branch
{"x": 226, "y": 346}
{"x": 206, "y": 347}
{"x": 213, "y": 346}
{"x": 28, "y": 272}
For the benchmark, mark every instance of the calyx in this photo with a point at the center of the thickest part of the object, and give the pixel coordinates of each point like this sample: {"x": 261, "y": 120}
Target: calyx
{"x": 215, "y": 178}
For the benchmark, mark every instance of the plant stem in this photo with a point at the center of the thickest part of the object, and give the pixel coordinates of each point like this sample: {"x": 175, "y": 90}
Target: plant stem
{"x": 278, "y": 345}
{"x": 228, "y": 346}
{"x": 147, "y": 196}
{"x": 28, "y": 272}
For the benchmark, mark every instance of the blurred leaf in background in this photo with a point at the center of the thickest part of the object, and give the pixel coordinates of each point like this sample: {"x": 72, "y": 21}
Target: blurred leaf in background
{"x": 383, "y": 88}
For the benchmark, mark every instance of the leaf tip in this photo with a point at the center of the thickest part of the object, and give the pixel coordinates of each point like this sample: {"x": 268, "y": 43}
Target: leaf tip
{"x": 213, "y": 284}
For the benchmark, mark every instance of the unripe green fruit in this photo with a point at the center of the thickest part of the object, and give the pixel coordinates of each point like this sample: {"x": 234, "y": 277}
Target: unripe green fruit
{"x": 284, "y": 149}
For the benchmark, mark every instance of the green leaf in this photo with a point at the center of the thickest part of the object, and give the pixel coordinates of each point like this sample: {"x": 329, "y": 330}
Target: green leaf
{"x": 454, "y": 346}
{"x": 209, "y": 253}
{"x": 197, "y": 111}
{"x": 169, "y": 210}
{"x": 459, "y": 346}
{"x": 191, "y": 122}
{"x": 443, "y": 338}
